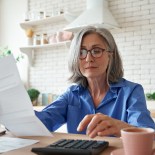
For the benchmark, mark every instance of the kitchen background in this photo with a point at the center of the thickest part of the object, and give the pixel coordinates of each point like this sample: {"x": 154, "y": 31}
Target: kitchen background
{"x": 49, "y": 72}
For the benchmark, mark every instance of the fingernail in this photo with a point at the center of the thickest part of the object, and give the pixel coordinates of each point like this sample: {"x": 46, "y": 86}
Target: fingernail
{"x": 78, "y": 128}
{"x": 87, "y": 132}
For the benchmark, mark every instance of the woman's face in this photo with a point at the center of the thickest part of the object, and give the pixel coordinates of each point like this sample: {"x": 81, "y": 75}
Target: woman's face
{"x": 90, "y": 66}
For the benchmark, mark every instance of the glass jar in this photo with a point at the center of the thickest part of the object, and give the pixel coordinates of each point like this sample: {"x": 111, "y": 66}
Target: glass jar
{"x": 37, "y": 40}
{"x": 44, "y": 39}
{"x": 26, "y": 16}
{"x": 41, "y": 14}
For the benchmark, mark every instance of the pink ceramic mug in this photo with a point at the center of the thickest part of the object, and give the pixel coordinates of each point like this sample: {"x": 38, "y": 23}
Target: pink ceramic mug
{"x": 138, "y": 141}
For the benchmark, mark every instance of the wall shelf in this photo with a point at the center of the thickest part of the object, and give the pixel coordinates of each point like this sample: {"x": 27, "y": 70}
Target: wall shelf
{"x": 29, "y": 50}
{"x": 31, "y": 24}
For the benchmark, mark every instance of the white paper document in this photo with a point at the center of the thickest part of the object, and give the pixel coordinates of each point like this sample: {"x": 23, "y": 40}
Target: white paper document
{"x": 16, "y": 110}
{"x": 8, "y": 144}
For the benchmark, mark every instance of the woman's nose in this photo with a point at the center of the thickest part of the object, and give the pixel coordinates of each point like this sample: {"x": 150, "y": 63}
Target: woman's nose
{"x": 89, "y": 57}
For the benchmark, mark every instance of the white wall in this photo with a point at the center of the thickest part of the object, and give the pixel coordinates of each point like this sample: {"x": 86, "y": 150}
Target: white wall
{"x": 0, "y": 20}
{"x": 11, "y": 14}
{"x": 50, "y": 70}
{"x": 135, "y": 39}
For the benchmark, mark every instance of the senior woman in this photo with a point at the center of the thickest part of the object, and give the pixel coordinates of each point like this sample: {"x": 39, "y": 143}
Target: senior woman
{"x": 100, "y": 101}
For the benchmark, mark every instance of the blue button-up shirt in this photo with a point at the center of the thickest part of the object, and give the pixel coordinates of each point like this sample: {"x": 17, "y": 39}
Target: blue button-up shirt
{"x": 124, "y": 101}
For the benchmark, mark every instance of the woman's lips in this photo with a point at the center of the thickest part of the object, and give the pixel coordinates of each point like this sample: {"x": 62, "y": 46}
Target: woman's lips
{"x": 90, "y": 67}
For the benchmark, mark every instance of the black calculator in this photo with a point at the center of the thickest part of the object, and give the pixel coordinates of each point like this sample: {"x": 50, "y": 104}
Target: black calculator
{"x": 72, "y": 147}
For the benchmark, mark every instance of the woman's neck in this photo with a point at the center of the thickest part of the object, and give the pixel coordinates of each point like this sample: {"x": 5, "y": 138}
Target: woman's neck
{"x": 98, "y": 90}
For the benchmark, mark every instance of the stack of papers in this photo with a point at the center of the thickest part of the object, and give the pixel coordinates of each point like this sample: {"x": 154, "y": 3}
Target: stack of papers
{"x": 16, "y": 110}
{"x": 8, "y": 144}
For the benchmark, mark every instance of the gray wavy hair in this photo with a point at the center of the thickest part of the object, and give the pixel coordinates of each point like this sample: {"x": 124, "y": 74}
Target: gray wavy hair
{"x": 115, "y": 68}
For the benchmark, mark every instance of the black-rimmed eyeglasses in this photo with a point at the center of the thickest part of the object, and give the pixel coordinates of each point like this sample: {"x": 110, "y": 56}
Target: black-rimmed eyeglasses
{"x": 95, "y": 52}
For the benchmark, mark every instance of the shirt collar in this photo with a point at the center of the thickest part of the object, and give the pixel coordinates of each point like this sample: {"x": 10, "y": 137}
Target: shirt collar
{"x": 113, "y": 86}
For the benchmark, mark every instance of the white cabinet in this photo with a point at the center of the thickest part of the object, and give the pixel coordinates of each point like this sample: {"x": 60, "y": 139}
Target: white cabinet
{"x": 30, "y": 49}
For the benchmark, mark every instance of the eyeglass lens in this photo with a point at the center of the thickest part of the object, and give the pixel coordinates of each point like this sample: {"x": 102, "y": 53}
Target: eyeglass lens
{"x": 95, "y": 52}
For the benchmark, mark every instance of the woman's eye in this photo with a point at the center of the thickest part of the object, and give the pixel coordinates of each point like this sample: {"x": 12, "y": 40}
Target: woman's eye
{"x": 83, "y": 52}
{"x": 96, "y": 50}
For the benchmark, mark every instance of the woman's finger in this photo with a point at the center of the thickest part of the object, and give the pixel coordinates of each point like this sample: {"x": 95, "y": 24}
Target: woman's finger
{"x": 103, "y": 125}
{"x": 96, "y": 120}
{"x": 84, "y": 123}
{"x": 108, "y": 131}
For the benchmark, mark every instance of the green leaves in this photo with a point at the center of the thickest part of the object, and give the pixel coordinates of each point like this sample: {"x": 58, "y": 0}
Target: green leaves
{"x": 33, "y": 94}
{"x": 19, "y": 57}
{"x": 150, "y": 96}
{"x": 5, "y": 51}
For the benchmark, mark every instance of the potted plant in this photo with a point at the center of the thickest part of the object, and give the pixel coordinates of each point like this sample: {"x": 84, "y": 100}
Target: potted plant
{"x": 150, "y": 98}
{"x": 33, "y": 94}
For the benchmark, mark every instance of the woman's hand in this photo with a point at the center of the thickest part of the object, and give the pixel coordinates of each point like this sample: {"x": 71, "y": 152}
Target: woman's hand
{"x": 101, "y": 125}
